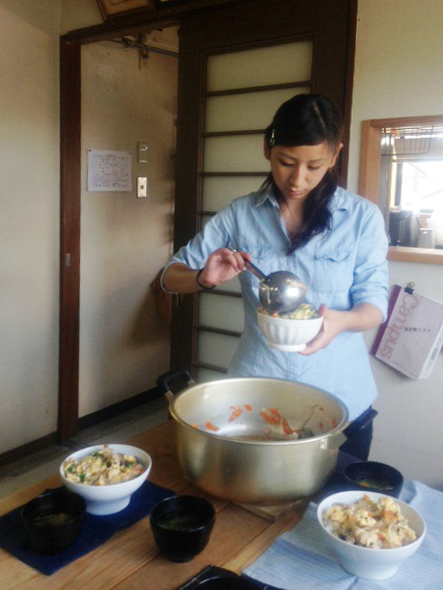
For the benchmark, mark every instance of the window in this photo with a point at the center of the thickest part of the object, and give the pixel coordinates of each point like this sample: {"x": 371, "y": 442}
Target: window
{"x": 413, "y": 159}
{"x": 401, "y": 170}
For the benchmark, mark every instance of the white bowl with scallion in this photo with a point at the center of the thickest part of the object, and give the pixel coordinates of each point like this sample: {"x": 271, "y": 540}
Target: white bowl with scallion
{"x": 106, "y": 475}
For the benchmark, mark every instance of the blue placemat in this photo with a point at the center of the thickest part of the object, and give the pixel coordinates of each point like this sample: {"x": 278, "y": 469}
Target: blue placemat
{"x": 301, "y": 558}
{"x": 94, "y": 532}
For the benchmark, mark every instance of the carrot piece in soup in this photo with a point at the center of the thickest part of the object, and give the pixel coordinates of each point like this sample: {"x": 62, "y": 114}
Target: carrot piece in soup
{"x": 287, "y": 430}
{"x": 248, "y": 407}
{"x": 211, "y": 426}
{"x": 272, "y": 418}
{"x": 237, "y": 411}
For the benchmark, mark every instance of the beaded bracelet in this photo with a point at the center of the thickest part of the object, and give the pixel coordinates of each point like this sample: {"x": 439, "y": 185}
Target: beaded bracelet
{"x": 199, "y": 284}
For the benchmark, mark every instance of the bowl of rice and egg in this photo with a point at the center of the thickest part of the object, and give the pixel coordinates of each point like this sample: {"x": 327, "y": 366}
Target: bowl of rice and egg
{"x": 291, "y": 331}
{"x": 106, "y": 475}
{"x": 371, "y": 534}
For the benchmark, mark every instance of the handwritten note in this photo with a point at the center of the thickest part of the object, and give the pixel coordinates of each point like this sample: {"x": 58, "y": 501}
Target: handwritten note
{"x": 109, "y": 170}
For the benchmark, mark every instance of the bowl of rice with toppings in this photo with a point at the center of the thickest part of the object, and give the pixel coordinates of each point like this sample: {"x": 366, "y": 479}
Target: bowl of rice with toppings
{"x": 106, "y": 475}
{"x": 371, "y": 534}
{"x": 290, "y": 331}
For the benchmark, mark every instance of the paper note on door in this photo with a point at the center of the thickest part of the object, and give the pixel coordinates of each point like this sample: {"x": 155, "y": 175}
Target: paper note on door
{"x": 109, "y": 170}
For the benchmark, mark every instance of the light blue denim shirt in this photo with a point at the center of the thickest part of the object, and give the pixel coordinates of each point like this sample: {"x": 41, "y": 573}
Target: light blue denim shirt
{"x": 342, "y": 267}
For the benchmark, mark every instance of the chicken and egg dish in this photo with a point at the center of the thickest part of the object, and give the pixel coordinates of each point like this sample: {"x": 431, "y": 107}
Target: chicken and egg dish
{"x": 305, "y": 311}
{"x": 378, "y": 525}
{"x": 103, "y": 467}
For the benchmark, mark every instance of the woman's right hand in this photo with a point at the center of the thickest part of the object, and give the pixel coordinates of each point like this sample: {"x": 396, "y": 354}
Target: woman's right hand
{"x": 223, "y": 265}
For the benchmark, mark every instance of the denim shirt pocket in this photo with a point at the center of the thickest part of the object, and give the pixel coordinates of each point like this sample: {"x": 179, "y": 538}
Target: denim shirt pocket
{"x": 333, "y": 270}
{"x": 264, "y": 256}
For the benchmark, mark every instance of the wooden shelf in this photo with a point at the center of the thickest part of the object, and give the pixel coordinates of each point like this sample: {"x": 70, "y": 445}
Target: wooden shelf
{"x": 426, "y": 255}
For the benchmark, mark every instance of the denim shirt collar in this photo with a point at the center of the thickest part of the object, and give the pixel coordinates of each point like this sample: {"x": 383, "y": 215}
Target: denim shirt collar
{"x": 266, "y": 193}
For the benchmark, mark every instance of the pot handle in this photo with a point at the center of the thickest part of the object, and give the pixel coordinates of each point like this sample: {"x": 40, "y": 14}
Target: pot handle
{"x": 334, "y": 441}
{"x": 349, "y": 429}
{"x": 164, "y": 382}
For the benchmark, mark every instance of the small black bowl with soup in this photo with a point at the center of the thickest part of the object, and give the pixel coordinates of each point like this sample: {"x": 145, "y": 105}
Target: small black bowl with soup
{"x": 53, "y": 520}
{"x": 371, "y": 476}
{"x": 181, "y": 526}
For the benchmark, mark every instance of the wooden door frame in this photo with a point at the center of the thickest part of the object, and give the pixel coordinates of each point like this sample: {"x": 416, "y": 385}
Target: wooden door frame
{"x": 70, "y": 196}
{"x": 70, "y": 185}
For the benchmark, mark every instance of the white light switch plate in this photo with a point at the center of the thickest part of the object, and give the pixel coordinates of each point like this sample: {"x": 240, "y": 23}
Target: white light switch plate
{"x": 142, "y": 187}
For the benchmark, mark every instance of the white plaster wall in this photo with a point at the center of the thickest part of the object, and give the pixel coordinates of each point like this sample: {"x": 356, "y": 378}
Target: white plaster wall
{"x": 29, "y": 220}
{"x": 124, "y": 344}
{"x": 79, "y": 14}
{"x": 399, "y": 72}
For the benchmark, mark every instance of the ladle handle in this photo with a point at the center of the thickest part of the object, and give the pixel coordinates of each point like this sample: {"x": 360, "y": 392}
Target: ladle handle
{"x": 255, "y": 271}
{"x": 252, "y": 268}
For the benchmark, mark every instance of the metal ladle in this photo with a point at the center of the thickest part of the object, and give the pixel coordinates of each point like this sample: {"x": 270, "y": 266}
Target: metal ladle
{"x": 280, "y": 291}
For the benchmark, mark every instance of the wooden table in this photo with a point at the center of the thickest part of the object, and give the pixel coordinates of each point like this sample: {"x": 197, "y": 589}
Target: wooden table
{"x": 130, "y": 560}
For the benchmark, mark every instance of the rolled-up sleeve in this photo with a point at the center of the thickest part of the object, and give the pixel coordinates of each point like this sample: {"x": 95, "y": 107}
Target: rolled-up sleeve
{"x": 215, "y": 234}
{"x": 371, "y": 267}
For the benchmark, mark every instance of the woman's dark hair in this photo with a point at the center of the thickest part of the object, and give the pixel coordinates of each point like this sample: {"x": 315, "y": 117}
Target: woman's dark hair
{"x": 309, "y": 119}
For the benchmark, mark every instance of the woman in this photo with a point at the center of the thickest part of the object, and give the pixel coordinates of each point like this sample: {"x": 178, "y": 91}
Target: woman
{"x": 302, "y": 222}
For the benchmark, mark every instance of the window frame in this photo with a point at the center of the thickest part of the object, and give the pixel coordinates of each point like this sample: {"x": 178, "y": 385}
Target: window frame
{"x": 370, "y": 164}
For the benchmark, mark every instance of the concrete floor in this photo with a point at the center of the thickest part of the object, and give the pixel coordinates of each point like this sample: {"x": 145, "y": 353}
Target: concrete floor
{"x": 41, "y": 464}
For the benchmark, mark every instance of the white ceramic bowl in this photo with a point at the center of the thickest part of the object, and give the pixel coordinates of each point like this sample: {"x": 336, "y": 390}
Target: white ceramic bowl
{"x": 111, "y": 498}
{"x": 288, "y": 335}
{"x": 365, "y": 562}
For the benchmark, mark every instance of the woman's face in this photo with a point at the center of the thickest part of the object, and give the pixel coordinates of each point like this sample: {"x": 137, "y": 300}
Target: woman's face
{"x": 298, "y": 170}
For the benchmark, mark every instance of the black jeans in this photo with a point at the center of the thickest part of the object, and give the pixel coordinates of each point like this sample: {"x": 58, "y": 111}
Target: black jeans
{"x": 359, "y": 435}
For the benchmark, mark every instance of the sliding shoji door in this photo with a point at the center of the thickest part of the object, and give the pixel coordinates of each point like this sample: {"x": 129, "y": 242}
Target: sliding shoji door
{"x": 243, "y": 90}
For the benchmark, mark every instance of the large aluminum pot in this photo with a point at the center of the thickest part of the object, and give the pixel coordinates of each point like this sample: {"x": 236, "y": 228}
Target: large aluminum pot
{"x": 228, "y": 448}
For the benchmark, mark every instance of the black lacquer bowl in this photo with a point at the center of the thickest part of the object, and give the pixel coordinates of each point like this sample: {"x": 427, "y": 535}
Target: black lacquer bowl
{"x": 182, "y": 526}
{"x": 227, "y": 583}
{"x": 53, "y": 520}
{"x": 372, "y": 476}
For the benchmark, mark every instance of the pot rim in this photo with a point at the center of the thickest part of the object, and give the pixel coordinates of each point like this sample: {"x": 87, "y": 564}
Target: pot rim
{"x": 319, "y": 437}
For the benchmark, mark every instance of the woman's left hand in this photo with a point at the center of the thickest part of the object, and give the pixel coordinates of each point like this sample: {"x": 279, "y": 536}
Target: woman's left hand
{"x": 330, "y": 328}
{"x": 359, "y": 319}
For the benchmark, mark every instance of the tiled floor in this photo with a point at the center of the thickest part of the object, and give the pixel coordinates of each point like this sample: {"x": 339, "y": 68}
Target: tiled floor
{"x": 41, "y": 464}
